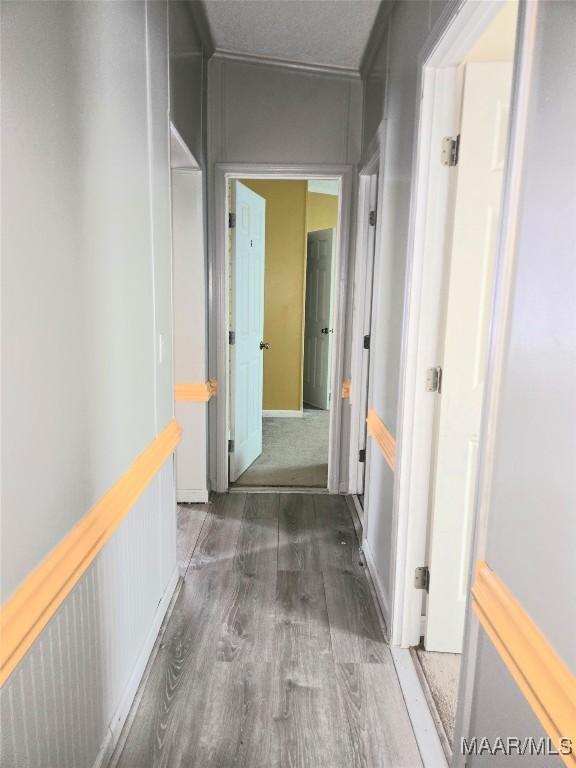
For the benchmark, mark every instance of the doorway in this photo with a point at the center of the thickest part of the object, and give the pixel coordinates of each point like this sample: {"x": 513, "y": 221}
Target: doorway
{"x": 364, "y": 280}
{"x": 455, "y": 251}
{"x": 282, "y": 263}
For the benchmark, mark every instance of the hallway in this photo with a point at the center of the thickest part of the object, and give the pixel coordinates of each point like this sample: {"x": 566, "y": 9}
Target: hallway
{"x": 219, "y": 214}
{"x": 273, "y": 654}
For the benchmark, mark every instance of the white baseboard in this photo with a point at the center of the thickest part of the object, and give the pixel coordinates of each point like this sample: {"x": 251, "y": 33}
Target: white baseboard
{"x": 421, "y": 718}
{"x": 106, "y": 750}
{"x": 358, "y": 508}
{"x": 276, "y": 489}
{"x": 282, "y": 414}
{"x": 378, "y": 588}
{"x": 192, "y": 497}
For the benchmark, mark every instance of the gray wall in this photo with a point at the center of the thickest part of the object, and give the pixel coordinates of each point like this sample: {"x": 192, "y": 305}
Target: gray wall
{"x": 86, "y": 243}
{"x": 389, "y": 114}
{"x": 268, "y": 114}
{"x": 86, "y": 294}
{"x": 188, "y": 75}
{"x": 260, "y": 113}
{"x": 532, "y": 523}
{"x": 82, "y": 260}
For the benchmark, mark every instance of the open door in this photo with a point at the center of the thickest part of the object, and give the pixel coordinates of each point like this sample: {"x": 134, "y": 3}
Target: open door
{"x": 247, "y": 327}
{"x": 470, "y": 286}
{"x": 318, "y": 319}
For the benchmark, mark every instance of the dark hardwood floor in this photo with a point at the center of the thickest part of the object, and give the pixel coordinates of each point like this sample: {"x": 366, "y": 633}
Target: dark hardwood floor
{"x": 273, "y": 655}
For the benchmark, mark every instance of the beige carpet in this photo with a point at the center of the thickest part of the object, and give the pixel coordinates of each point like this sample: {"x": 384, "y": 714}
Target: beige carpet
{"x": 294, "y": 453}
{"x": 442, "y": 673}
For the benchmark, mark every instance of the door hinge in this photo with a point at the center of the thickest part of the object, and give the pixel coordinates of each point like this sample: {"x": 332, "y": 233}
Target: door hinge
{"x": 422, "y": 578}
{"x": 372, "y": 218}
{"x": 450, "y": 150}
{"x": 231, "y": 337}
{"x": 230, "y": 446}
{"x": 231, "y": 220}
{"x": 367, "y": 341}
{"x": 434, "y": 380}
{"x": 362, "y": 455}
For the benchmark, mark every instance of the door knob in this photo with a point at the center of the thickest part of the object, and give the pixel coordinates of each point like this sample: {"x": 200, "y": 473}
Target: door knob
{"x": 326, "y": 330}
{"x": 264, "y": 345}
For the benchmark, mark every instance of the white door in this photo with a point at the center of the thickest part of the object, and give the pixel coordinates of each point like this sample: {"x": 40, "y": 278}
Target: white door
{"x": 247, "y": 324}
{"x": 480, "y": 170}
{"x": 317, "y": 320}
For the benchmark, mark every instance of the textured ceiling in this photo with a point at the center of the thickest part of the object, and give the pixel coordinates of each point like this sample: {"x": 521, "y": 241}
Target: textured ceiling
{"x": 325, "y": 32}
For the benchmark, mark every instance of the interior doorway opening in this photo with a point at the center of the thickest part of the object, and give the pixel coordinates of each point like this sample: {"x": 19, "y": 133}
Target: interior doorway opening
{"x": 465, "y": 118}
{"x": 283, "y": 239}
{"x": 364, "y": 281}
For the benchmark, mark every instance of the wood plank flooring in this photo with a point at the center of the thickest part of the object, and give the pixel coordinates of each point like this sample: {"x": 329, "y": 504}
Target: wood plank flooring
{"x": 273, "y": 656}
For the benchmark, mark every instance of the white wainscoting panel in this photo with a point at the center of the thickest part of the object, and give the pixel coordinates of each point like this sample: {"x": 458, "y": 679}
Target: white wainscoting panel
{"x": 65, "y": 704}
{"x": 378, "y": 528}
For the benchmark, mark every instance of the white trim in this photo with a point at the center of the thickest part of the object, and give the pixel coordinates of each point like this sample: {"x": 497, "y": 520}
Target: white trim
{"x": 379, "y": 141}
{"x": 199, "y": 496}
{"x": 458, "y": 26}
{"x": 291, "y": 64}
{"x": 114, "y": 730}
{"x": 181, "y": 158}
{"x": 219, "y": 302}
{"x": 423, "y": 725}
{"x": 156, "y": 337}
{"x": 365, "y": 255}
{"x": 421, "y": 348}
{"x": 282, "y": 414}
{"x": 276, "y": 489}
{"x": 381, "y": 595}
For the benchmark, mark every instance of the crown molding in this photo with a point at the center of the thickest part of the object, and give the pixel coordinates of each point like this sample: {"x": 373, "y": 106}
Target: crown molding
{"x": 271, "y": 61}
{"x": 202, "y": 25}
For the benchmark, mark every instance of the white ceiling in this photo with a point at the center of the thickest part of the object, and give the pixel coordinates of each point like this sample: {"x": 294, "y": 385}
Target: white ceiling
{"x": 330, "y": 33}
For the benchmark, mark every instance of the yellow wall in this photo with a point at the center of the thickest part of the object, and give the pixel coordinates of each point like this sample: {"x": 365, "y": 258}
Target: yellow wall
{"x": 291, "y": 212}
{"x": 285, "y": 272}
{"x": 497, "y": 42}
{"x": 322, "y": 211}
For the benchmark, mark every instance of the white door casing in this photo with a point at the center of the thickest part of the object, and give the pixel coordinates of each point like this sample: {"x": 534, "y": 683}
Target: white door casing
{"x": 368, "y": 300}
{"x": 318, "y": 330}
{"x": 247, "y": 324}
{"x": 484, "y": 124}
{"x": 219, "y": 304}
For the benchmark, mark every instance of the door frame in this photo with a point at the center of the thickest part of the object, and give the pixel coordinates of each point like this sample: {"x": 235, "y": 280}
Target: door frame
{"x": 365, "y": 250}
{"x": 218, "y": 305}
{"x": 437, "y": 115}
